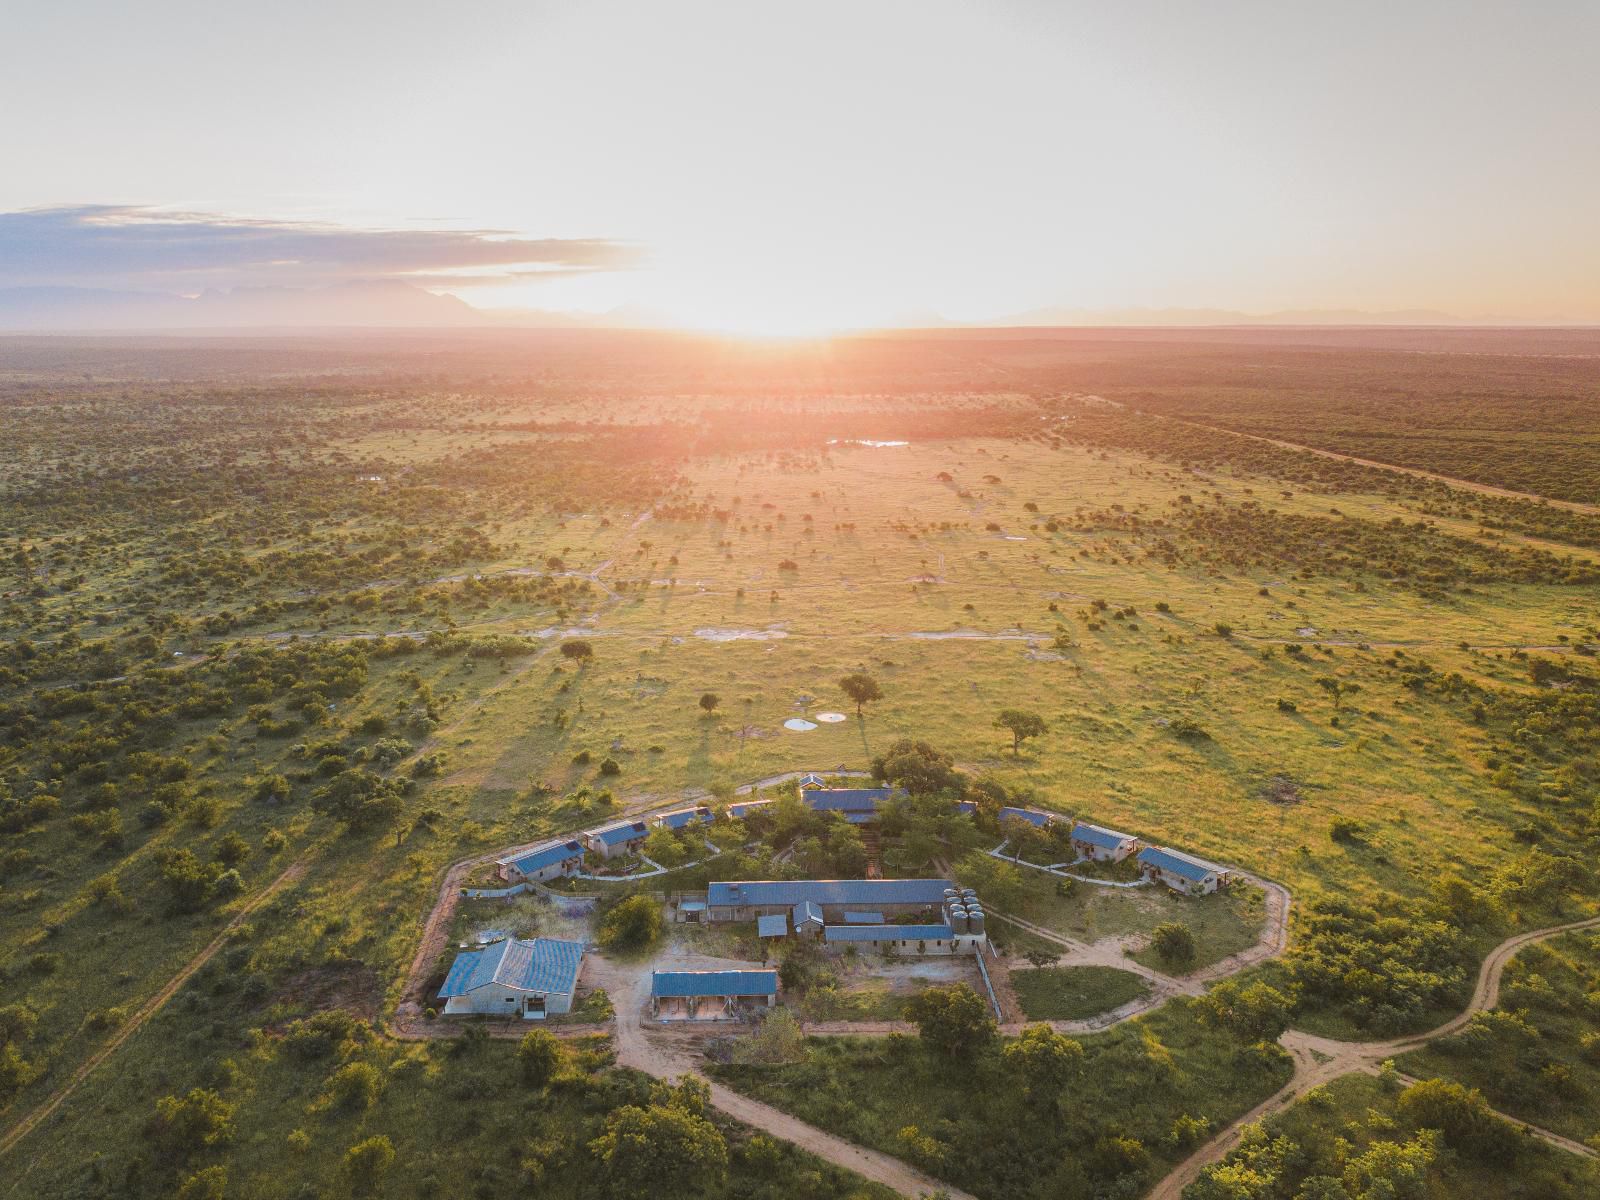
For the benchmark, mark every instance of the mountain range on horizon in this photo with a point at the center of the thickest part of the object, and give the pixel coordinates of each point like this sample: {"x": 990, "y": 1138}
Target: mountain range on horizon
{"x": 396, "y": 304}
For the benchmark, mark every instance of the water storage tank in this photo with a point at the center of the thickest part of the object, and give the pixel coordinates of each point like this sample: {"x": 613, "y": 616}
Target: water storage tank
{"x": 968, "y": 894}
{"x": 958, "y": 920}
{"x": 974, "y": 920}
{"x": 950, "y": 894}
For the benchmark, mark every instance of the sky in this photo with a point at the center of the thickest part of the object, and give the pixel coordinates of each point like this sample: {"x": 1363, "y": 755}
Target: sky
{"x": 801, "y": 167}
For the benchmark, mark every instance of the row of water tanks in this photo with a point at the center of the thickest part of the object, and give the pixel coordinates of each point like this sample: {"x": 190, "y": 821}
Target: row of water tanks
{"x": 962, "y": 911}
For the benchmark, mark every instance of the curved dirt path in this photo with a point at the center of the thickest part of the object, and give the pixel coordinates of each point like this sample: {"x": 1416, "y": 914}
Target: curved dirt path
{"x": 1319, "y": 1060}
{"x": 149, "y": 1008}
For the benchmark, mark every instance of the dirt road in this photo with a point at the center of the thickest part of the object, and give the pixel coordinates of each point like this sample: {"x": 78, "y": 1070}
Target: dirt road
{"x": 149, "y": 1008}
{"x": 1466, "y": 485}
{"x": 1319, "y": 1060}
{"x": 668, "y": 1054}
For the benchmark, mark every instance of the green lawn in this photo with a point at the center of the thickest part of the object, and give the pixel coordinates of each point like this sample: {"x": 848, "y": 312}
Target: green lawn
{"x": 1074, "y": 993}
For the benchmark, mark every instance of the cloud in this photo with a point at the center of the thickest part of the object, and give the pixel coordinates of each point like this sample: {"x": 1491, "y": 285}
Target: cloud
{"x": 137, "y": 248}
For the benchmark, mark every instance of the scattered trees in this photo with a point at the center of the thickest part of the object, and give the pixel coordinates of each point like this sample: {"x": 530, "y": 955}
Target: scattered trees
{"x": 861, "y": 688}
{"x": 665, "y": 1148}
{"x": 1174, "y": 942}
{"x": 577, "y": 651}
{"x": 952, "y": 1020}
{"x": 538, "y": 1057}
{"x": 1022, "y": 725}
{"x": 709, "y": 702}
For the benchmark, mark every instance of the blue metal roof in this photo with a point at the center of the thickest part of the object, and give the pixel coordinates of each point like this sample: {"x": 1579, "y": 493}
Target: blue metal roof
{"x": 1178, "y": 864}
{"x": 1096, "y": 836}
{"x": 625, "y": 831}
{"x": 807, "y": 910}
{"x": 680, "y": 818}
{"x": 860, "y": 918}
{"x": 738, "y": 812}
{"x": 846, "y": 800}
{"x": 545, "y": 856}
{"x": 1031, "y": 815}
{"x": 713, "y": 983}
{"x": 540, "y": 965}
{"x": 866, "y": 892}
{"x": 888, "y": 933}
{"x": 772, "y": 925}
{"x": 966, "y": 807}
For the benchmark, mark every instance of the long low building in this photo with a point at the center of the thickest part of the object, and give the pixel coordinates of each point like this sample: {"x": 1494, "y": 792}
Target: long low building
{"x": 745, "y": 900}
{"x": 1181, "y": 872}
{"x": 1101, "y": 844}
{"x": 542, "y": 862}
{"x": 514, "y": 978}
{"x": 709, "y": 995}
{"x": 859, "y": 806}
{"x": 747, "y": 808}
{"x": 910, "y": 939}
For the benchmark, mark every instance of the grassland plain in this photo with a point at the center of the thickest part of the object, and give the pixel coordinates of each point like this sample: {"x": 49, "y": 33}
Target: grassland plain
{"x": 249, "y": 517}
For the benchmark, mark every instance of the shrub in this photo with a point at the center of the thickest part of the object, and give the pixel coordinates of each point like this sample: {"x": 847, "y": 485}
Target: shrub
{"x": 632, "y": 924}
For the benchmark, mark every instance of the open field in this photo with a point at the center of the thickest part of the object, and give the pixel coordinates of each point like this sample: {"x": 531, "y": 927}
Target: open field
{"x": 1391, "y": 707}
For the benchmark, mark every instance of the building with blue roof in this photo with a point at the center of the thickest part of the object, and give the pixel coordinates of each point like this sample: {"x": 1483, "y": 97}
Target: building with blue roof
{"x": 807, "y": 917}
{"x": 775, "y": 926}
{"x": 542, "y": 862}
{"x": 745, "y": 900}
{"x": 623, "y": 837}
{"x": 863, "y": 918}
{"x": 682, "y": 818}
{"x": 709, "y": 995}
{"x": 859, "y": 806}
{"x": 514, "y": 978}
{"x": 1101, "y": 844}
{"x": 1040, "y": 820}
{"x": 913, "y": 939}
{"x": 738, "y": 812}
{"x": 1181, "y": 872}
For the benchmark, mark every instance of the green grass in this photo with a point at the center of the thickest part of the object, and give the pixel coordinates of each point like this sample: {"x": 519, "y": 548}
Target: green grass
{"x": 1074, "y": 993}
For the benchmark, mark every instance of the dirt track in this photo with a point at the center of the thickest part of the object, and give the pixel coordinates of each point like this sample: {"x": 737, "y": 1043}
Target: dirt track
{"x": 148, "y": 1009}
{"x": 1319, "y": 1060}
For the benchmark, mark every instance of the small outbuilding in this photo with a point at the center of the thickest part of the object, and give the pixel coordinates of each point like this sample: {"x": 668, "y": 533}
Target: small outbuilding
{"x": 1033, "y": 816}
{"x": 807, "y": 917}
{"x": 1102, "y": 845}
{"x": 710, "y": 995}
{"x": 624, "y": 837}
{"x": 774, "y": 926}
{"x": 1181, "y": 872}
{"x": 542, "y": 862}
{"x": 514, "y": 978}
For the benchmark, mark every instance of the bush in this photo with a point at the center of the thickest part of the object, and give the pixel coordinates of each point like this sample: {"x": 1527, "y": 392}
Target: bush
{"x": 610, "y": 766}
{"x": 632, "y": 924}
{"x": 366, "y": 1163}
{"x": 538, "y": 1056}
{"x": 1174, "y": 942}
{"x": 354, "y": 1086}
